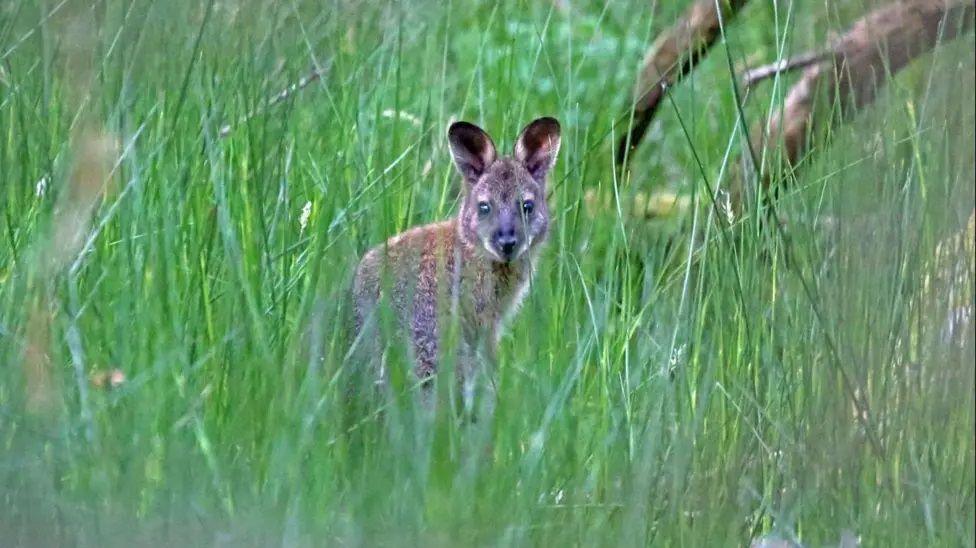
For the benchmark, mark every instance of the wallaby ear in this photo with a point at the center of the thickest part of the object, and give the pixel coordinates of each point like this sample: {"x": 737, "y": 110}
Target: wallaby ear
{"x": 472, "y": 149}
{"x": 538, "y": 146}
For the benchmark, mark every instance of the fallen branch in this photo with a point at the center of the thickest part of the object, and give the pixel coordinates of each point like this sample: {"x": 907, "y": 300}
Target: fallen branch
{"x": 856, "y": 67}
{"x": 758, "y": 74}
{"x": 673, "y": 55}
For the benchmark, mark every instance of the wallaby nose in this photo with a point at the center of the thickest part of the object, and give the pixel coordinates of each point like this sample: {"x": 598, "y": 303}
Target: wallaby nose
{"x": 506, "y": 241}
{"x": 507, "y": 244}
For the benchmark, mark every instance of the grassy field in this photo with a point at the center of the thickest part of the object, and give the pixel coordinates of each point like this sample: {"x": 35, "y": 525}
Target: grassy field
{"x": 668, "y": 381}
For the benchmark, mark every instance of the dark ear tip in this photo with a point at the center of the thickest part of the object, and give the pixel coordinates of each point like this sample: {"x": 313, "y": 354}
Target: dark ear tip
{"x": 458, "y": 127}
{"x": 551, "y": 124}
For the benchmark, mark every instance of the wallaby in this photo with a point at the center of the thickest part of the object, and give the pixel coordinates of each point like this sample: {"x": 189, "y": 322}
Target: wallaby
{"x": 476, "y": 266}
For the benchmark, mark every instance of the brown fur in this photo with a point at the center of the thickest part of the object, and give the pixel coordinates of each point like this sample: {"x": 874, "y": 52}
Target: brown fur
{"x": 458, "y": 267}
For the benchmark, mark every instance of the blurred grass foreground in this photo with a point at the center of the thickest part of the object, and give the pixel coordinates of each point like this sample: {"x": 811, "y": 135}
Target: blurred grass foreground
{"x": 177, "y": 238}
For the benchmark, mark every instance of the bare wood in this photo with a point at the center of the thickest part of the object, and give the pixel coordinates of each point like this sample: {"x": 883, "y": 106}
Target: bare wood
{"x": 858, "y": 65}
{"x": 673, "y": 55}
{"x": 849, "y": 77}
{"x": 756, "y": 75}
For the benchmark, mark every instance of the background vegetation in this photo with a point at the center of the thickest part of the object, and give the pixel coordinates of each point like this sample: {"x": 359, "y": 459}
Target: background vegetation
{"x": 668, "y": 381}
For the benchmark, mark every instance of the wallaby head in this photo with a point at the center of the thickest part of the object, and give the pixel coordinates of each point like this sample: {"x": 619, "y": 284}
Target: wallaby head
{"x": 504, "y": 212}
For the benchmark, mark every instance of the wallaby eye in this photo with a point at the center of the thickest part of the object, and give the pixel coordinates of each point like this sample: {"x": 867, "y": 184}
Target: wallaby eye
{"x": 484, "y": 208}
{"x": 528, "y": 206}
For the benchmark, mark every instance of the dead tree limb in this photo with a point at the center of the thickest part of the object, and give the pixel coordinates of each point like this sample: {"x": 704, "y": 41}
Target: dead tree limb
{"x": 672, "y": 56}
{"x": 756, "y": 75}
{"x": 855, "y": 68}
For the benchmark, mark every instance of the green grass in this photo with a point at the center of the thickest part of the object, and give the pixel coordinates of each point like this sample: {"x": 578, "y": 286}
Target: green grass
{"x": 666, "y": 382}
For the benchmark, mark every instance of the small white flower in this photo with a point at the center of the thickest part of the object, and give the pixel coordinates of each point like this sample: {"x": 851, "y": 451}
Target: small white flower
{"x": 676, "y": 354}
{"x": 402, "y": 115}
{"x": 41, "y": 187}
{"x": 303, "y": 219}
{"x": 724, "y": 201}
{"x": 674, "y": 359}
